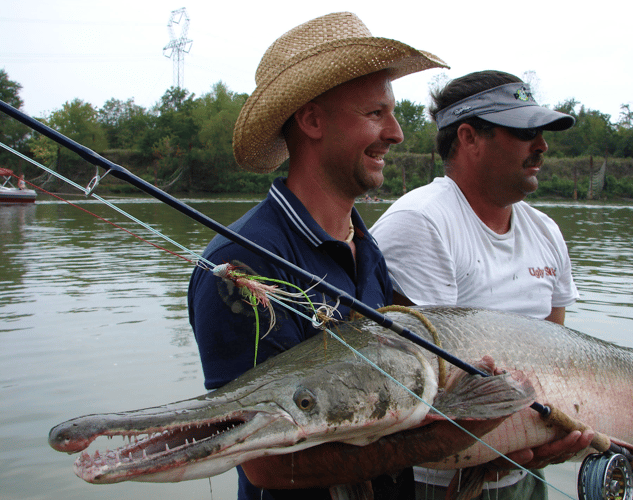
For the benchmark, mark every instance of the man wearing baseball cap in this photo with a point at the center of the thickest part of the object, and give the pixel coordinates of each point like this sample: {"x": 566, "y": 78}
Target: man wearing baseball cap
{"x": 324, "y": 101}
{"x": 468, "y": 239}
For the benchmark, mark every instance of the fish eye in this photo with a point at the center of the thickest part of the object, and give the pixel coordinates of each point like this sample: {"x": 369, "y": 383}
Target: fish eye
{"x": 304, "y": 399}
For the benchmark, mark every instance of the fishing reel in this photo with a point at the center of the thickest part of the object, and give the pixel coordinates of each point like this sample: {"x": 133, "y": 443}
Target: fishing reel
{"x": 605, "y": 476}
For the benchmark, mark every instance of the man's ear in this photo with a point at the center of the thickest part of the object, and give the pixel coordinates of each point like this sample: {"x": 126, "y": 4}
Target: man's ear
{"x": 310, "y": 120}
{"x": 467, "y": 135}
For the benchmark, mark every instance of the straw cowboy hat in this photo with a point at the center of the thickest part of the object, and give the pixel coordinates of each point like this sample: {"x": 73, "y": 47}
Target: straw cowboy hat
{"x": 302, "y": 64}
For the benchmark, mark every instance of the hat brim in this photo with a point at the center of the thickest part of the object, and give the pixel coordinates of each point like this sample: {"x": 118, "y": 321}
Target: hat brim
{"x": 530, "y": 117}
{"x": 258, "y": 143}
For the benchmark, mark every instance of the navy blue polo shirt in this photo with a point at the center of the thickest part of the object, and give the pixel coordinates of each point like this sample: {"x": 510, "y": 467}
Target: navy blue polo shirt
{"x": 224, "y": 325}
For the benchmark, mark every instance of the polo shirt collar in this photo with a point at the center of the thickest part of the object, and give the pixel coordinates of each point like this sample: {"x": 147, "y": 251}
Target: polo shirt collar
{"x": 299, "y": 217}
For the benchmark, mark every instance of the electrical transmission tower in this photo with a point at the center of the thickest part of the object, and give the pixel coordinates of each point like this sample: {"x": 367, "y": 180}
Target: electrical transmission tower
{"x": 178, "y": 47}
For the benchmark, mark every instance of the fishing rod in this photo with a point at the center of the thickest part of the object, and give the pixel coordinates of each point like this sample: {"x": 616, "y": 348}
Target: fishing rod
{"x": 312, "y": 280}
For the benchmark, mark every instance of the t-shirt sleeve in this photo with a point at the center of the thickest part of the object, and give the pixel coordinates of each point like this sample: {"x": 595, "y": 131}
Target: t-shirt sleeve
{"x": 565, "y": 292}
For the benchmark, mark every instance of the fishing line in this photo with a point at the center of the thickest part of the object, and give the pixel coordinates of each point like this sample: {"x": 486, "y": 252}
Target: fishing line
{"x": 319, "y": 284}
{"x": 306, "y": 277}
{"x": 416, "y": 396}
{"x": 89, "y": 192}
{"x": 252, "y": 287}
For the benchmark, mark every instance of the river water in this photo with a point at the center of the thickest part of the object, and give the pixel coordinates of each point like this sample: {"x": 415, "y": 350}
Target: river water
{"x": 93, "y": 320}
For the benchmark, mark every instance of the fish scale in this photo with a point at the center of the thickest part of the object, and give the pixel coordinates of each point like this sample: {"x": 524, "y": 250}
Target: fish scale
{"x": 585, "y": 377}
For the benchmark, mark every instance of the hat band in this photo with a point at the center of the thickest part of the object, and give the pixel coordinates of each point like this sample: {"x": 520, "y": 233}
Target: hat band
{"x": 502, "y": 98}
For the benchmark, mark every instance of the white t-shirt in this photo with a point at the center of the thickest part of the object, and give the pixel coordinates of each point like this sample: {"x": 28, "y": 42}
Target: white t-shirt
{"x": 439, "y": 252}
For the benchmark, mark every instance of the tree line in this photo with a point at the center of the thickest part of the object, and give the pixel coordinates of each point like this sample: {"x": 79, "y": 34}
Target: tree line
{"x": 183, "y": 143}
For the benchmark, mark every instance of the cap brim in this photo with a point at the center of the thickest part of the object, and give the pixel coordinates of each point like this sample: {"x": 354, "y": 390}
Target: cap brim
{"x": 530, "y": 117}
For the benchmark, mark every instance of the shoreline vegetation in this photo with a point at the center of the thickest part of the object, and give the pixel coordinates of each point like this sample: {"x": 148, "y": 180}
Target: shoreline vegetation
{"x": 183, "y": 145}
{"x": 559, "y": 178}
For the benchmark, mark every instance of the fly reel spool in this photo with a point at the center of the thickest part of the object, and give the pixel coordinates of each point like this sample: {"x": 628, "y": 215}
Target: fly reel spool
{"x": 606, "y": 476}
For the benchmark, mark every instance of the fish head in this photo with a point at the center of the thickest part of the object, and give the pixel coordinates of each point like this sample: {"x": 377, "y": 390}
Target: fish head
{"x": 303, "y": 397}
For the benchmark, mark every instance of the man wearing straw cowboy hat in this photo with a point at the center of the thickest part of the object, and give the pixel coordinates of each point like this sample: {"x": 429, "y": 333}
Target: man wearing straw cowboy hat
{"x": 324, "y": 100}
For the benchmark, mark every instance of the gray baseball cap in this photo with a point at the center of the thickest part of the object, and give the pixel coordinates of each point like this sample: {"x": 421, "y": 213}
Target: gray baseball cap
{"x": 510, "y": 105}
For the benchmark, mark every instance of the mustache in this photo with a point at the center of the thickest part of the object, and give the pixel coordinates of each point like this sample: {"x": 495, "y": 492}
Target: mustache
{"x": 380, "y": 146}
{"x": 535, "y": 160}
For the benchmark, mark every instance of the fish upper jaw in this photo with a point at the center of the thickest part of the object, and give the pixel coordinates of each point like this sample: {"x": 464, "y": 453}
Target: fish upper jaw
{"x": 177, "y": 452}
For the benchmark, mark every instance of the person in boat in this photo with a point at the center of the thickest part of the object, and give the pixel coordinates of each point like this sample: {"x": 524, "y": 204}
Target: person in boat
{"x": 21, "y": 183}
{"x": 323, "y": 100}
{"x": 468, "y": 238}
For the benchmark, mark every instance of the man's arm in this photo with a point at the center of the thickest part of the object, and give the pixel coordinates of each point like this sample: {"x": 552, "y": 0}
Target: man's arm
{"x": 339, "y": 463}
{"x": 401, "y": 300}
{"x": 557, "y": 315}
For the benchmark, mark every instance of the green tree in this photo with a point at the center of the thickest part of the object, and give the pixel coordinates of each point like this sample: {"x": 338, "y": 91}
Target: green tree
{"x": 168, "y": 164}
{"x": 592, "y": 134}
{"x": 124, "y": 123}
{"x": 412, "y": 119}
{"x": 419, "y": 131}
{"x": 172, "y": 117}
{"x": 596, "y": 131}
{"x": 626, "y": 116}
{"x": 44, "y": 150}
{"x": 12, "y": 132}
{"x": 174, "y": 99}
{"x": 624, "y": 133}
{"x": 79, "y": 121}
{"x": 215, "y": 115}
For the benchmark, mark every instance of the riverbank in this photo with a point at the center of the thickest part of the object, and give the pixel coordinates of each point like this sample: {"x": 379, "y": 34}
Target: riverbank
{"x": 559, "y": 177}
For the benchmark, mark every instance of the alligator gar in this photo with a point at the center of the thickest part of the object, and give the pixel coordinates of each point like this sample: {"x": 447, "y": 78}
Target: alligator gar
{"x": 311, "y": 394}
{"x": 586, "y": 378}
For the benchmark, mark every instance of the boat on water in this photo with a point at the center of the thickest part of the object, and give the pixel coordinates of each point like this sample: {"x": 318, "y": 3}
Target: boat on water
{"x": 11, "y": 194}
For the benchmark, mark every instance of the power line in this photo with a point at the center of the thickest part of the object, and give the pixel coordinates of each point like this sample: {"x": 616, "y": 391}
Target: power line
{"x": 81, "y": 22}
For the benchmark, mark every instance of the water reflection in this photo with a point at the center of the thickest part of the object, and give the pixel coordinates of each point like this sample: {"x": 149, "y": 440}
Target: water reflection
{"x": 93, "y": 319}
{"x": 599, "y": 238}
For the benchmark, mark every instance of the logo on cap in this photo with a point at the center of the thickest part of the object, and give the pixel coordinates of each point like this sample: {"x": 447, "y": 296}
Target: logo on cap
{"x": 462, "y": 110}
{"x": 523, "y": 94}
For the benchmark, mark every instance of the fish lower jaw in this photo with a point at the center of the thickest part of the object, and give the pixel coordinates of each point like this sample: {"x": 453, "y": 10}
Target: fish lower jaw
{"x": 146, "y": 451}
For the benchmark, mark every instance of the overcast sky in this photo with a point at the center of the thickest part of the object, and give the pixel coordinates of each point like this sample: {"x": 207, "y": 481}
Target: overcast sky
{"x": 59, "y": 50}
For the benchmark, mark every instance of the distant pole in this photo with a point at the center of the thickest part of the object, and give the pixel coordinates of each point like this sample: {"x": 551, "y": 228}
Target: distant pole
{"x": 404, "y": 181}
{"x": 575, "y": 182}
{"x": 590, "y": 193}
{"x": 178, "y": 47}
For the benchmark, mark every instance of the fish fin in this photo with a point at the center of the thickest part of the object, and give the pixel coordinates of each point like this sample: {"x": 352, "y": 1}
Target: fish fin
{"x": 466, "y": 484}
{"x": 477, "y": 397}
{"x": 358, "y": 491}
